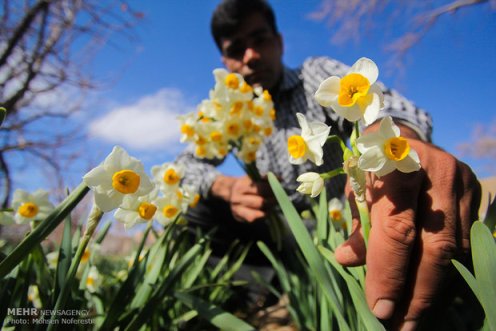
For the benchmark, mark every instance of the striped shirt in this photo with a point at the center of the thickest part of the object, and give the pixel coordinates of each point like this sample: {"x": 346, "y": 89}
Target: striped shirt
{"x": 295, "y": 94}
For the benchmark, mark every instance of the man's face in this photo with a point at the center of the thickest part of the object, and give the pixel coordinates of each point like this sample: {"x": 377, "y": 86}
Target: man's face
{"x": 255, "y": 52}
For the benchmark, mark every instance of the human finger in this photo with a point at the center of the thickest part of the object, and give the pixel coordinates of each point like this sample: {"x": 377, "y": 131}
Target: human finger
{"x": 353, "y": 251}
{"x": 245, "y": 214}
{"x": 391, "y": 239}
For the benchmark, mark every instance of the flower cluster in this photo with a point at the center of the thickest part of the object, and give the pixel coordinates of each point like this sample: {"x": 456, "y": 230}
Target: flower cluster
{"x": 235, "y": 117}
{"x": 356, "y": 96}
{"x": 27, "y": 207}
{"x": 120, "y": 182}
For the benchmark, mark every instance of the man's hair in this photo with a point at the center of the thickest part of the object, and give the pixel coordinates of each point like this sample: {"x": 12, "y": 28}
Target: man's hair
{"x": 229, "y": 15}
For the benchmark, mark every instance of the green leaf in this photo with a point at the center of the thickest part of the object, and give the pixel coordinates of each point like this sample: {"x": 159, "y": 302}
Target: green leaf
{"x": 356, "y": 292}
{"x": 3, "y": 114}
{"x": 490, "y": 219}
{"x": 164, "y": 288}
{"x": 309, "y": 250}
{"x": 322, "y": 217}
{"x": 218, "y": 317}
{"x": 484, "y": 257}
{"x": 469, "y": 278}
{"x": 64, "y": 259}
{"x": 42, "y": 230}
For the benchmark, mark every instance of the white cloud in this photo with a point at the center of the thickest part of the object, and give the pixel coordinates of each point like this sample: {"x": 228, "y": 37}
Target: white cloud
{"x": 150, "y": 123}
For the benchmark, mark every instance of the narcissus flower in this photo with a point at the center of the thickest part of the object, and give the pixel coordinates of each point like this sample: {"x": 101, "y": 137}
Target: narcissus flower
{"x": 385, "y": 150}
{"x": 134, "y": 211}
{"x": 308, "y": 145}
{"x": 34, "y": 296}
{"x": 93, "y": 280}
{"x": 354, "y": 96}
{"x": 311, "y": 183}
{"x": 29, "y": 207}
{"x": 335, "y": 208}
{"x": 168, "y": 176}
{"x": 169, "y": 207}
{"x": 119, "y": 175}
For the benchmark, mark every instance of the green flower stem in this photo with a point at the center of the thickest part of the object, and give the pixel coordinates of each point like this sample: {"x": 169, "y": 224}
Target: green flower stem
{"x": 363, "y": 210}
{"x": 333, "y": 173}
{"x": 93, "y": 220}
{"x": 354, "y": 136}
{"x": 334, "y": 138}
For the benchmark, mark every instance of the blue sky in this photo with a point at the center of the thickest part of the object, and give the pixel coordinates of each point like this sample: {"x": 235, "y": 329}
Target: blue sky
{"x": 168, "y": 71}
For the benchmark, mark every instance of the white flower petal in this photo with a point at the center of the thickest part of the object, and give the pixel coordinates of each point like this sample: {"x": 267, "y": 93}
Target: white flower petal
{"x": 371, "y": 111}
{"x": 369, "y": 140}
{"x": 352, "y": 113}
{"x": 328, "y": 91}
{"x": 107, "y": 201}
{"x": 317, "y": 187}
{"x": 388, "y": 129}
{"x": 409, "y": 164}
{"x": 388, "y": 167}
{"x": 308, "y": 177}
{"x": 367, "y": 68}
{"x": 95, "y": 177}
{"x": 372, "y": 160}
{"x": 302, "y": 121}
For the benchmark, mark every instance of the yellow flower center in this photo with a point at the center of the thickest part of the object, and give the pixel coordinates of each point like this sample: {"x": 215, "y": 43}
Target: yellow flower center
{"x": 170, "y": 211}
{"x": 179, "y": 194}
{"x": 247, "y": 124}
{"x": 236, "y": 108}
{"x": 171, "y": 177}
{"x": 233, "y": 129}
{"x": 272, "y": 114}
{"x": 86, "y": 256}
{"x": 352, "y": 87}
{"x": 251, "y": 157}
{"x": 268, "y": 131}
{"x": 296, "y": 146}
{"x": 258, "y": 111}
{"x": 187, "y": 130}
{"x": 256, "y": 128}
{"x": 126, "y": 181}
{"x": 232, "y": 81}
{"x": 200, "y": 151}
{"x": 28, "y": 210}
{"x": 200, "y": 140}
{"x": 90, "y": 281}
{"x": 249, "y": 104}
{"x": 245, "y": 88}
{"x": 267, "y": 96}
{"x": 146, "y": 210}
{"x": 194, "y": 201}
{"x": 216, "y": 136}
{"x": 335, "y": 215}
{"x": 396, "y": 148}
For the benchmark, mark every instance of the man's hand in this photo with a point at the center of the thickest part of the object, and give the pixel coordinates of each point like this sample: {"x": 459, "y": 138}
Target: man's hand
{"x": 420, "y": 221}
{"x": 248, "y": 199}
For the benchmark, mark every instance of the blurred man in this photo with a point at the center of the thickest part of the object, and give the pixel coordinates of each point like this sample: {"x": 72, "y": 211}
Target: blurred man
{"x": 419, "y": 220}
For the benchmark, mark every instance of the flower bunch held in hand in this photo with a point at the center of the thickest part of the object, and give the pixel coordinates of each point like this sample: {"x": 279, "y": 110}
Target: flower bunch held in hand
{"x": 356, "y": 97}
{"x": 236, "y": 117}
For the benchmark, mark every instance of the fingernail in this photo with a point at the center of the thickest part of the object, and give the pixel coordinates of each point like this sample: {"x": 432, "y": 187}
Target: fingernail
{"x": 384, "y": 309}
{"x": 409, "y": 326}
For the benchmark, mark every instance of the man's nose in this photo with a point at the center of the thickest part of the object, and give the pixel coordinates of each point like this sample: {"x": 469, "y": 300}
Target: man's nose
{"x": 250, "y": 56}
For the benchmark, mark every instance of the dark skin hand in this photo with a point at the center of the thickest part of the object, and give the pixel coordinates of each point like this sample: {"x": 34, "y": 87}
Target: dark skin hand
{"x": 417, "y": 228}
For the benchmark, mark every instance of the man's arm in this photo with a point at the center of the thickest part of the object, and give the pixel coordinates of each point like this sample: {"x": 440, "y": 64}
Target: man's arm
{"x": 420, "y": 221}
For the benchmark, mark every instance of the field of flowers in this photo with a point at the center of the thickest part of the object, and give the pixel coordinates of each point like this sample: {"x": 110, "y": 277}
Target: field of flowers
{"x": 169, "y": 281}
